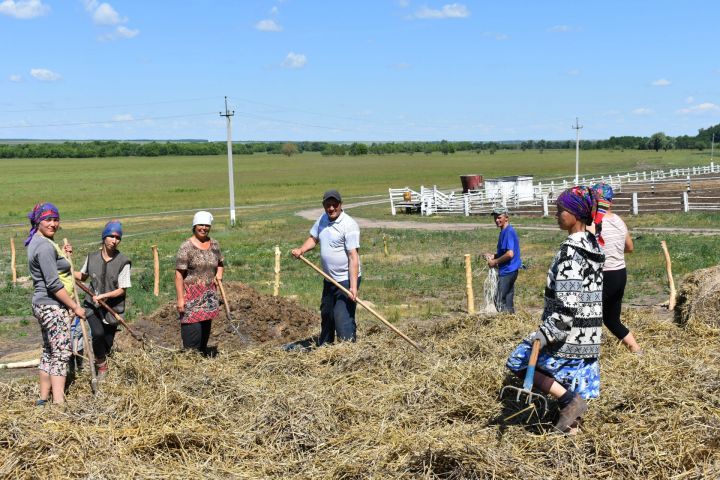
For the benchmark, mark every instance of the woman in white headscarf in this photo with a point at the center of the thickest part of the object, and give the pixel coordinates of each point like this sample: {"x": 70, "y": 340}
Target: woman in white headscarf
{"x": 198, "y": 264}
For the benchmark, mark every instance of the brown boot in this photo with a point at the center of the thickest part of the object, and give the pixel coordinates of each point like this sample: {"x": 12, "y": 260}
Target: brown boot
{"x": 571, "y": 413}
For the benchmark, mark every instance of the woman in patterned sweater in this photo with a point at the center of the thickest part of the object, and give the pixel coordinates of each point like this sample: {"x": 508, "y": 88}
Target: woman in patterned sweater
{"x": 569, "y": 334}
{"x": 198, "y": 263}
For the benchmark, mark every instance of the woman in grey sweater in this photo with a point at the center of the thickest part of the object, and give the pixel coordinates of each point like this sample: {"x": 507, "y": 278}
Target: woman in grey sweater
{"x": 52, "y": 301}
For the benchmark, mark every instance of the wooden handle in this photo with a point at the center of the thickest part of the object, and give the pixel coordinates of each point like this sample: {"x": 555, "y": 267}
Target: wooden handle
{"x": 668, "y": 267}
{"x": 156, "y": 266}
{"x": 12, "y": 261}
{"x": 224, "y": 299}
{"x": 530, "y": 373}
{"x": 87, "y": 343}
{"x": 363, "y": 304}
{"x": 469, "y": 285}
{"x": 107, "y": 307}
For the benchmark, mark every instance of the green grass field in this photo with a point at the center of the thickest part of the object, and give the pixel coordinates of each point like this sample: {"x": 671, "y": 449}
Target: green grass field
{"x": 423, "y": 276}
{"x": 114, "y": 186}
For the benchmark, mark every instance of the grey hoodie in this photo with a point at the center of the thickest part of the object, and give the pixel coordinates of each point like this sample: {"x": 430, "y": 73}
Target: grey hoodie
{"x": 572, "y": 319}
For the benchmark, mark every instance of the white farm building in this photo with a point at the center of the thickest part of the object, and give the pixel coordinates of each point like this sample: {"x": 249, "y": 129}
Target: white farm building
{"x": 508, "y": 187}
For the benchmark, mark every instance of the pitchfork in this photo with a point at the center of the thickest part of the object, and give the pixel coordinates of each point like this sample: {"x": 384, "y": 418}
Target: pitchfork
{"x": 528, "y": 383}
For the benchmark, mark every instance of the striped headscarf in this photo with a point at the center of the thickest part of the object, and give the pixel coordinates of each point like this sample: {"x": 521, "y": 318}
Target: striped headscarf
{"x": 580, "y": 201}
{"x": 604, "y": 194}
{"x": 40, "y": 212}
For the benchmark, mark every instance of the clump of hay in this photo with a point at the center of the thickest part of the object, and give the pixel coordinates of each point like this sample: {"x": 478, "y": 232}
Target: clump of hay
{"x": 376, "y": 408}
{"x": 699, "y": 297}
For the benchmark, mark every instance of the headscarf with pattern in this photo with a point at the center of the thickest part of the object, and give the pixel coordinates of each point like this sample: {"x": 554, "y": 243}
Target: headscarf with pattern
{"x": 40, "y": 212}
{"x": 604, "y": 194}
{"x": 579, "y": 200}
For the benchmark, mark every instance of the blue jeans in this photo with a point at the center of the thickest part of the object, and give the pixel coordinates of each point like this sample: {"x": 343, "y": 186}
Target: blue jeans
{"x": 337, "y": 313}
{"x": 506, "y": 292}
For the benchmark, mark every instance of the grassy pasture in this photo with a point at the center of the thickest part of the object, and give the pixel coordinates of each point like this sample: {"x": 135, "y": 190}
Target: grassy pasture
{"x": 113, "y": 186}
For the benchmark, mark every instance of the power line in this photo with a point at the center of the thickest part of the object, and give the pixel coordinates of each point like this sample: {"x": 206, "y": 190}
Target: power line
{"x": 101, "y": 122}
{"x": 94, "y": 107}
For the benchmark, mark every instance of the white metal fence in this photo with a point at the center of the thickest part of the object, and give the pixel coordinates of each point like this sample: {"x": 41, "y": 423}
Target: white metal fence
{"x": 432, "y": 201}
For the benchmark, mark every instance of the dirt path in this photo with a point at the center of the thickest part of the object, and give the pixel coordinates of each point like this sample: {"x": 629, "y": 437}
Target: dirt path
{"x": 313, "y": 213}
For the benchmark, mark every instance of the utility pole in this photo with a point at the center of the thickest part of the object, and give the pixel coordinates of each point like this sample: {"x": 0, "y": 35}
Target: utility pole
{"x": 577, "y": 128}
{"x": 712, "y": 148}
{"x": 231, "y": 176}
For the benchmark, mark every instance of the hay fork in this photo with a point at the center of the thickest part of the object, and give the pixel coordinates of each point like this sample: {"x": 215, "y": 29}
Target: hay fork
{"x": 528, "y": 382}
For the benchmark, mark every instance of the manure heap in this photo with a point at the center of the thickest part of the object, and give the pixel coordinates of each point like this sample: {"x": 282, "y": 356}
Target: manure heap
{"x": 257, "y": 319}
{"x": 376, "y": 408}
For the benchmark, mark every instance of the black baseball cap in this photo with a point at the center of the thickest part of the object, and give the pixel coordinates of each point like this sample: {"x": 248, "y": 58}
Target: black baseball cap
{"x": 332, "y": 194}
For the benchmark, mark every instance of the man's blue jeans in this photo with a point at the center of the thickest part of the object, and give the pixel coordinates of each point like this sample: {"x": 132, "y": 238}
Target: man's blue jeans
{"x": 337, "y": 313}
{"x": 506, "y": 292}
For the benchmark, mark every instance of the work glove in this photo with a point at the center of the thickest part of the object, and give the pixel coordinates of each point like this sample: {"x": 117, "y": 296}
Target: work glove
{"x": 540, "y": 336}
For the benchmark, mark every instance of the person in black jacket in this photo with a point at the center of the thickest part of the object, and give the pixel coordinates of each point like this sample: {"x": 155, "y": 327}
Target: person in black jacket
{"x": 109, "y": 274}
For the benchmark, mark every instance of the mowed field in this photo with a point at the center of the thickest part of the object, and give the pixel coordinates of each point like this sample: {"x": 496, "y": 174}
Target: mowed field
{"x": 128, "y": 185}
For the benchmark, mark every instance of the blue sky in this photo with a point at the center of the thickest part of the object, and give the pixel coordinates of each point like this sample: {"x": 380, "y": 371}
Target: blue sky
{"x": 357, "y": 70}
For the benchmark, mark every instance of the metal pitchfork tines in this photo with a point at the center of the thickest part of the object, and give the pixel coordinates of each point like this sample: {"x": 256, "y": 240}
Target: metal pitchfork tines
{"x": 531, "y": 397}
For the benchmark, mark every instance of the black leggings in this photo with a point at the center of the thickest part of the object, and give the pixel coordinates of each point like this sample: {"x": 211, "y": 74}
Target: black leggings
{"x": 613, "y": 290}
{"x": 103, "y": 335}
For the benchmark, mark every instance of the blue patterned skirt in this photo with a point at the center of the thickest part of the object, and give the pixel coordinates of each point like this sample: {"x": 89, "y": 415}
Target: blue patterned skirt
{"x": 581, "y": 375}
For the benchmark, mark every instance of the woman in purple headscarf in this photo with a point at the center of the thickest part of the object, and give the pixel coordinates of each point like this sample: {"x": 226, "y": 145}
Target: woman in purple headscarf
{"x": 52, "y": 301}
{"x": 571, "y": 323}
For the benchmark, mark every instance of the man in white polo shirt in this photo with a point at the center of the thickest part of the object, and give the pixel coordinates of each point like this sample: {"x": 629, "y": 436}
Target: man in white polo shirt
{"x": 339, "y": 238}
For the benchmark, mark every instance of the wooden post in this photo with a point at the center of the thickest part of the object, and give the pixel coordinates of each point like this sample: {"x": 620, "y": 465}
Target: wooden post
{"x": 12, "y": 261}
{"x": 156, "y": 266}
{"x": 668, "y": 266}
{"x": 276, "y": 289}
{"x": 468, "y": 280}
{"x": 385, "y": 249}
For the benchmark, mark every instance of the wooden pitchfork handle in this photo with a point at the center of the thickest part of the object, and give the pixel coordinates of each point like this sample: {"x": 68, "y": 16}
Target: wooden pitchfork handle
{"x": 363, "y": 304}
{"x": 107, "y": 307}
{"x": 87, "y": 345}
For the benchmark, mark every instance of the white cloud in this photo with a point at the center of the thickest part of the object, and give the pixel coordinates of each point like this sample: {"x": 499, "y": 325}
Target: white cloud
{"x": 701, "y": 108}
{"x": 125, "y": 117}
{"x": 268, "y": 25}
{"x": 661, "y": 82}
{"x": 105, "y": 14}
{"x": 563, "y": 29}
{"x": 452, "y": 10}
{"x": 45, "y": 75}
{"x": 404, "y": 3}
{"x": 24, "y": 9}
{"x": 274, "y": 10}
{"x": 294, "y": 60}
{"x": 402, "y": 66}
{"x": 642, "y": 111}
{"x": 15, "y": 78}
{"x": 690, "y": 99}
{"x": 124, "y": 32}
{"x": 573, "y": 72}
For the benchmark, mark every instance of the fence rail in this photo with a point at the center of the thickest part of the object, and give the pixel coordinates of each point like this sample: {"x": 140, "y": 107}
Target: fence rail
{"x": 636, "y": 199}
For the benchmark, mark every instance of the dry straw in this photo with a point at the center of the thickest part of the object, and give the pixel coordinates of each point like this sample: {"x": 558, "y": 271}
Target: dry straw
{"x": 376, "y": 408}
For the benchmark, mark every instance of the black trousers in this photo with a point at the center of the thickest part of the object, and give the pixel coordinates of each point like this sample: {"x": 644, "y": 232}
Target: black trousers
{"x": 196, "y": 335}
{"x": 337, "y": 314}
{"x": 613, "y": 291}
{"x": 103, "y": 335}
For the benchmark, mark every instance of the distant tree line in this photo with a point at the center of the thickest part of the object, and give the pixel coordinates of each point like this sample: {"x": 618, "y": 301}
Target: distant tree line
{"x": 658, "y": 141}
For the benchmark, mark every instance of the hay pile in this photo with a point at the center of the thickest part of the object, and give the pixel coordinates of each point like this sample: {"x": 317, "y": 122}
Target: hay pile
{"x": 257, "y": 319}
{"x": 699, "y": 297}
{"x": 377, "y": 409}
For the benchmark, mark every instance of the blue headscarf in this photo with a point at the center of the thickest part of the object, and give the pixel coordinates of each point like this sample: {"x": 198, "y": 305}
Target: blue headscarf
{"x": 40, "y": 212}
{"x": 113, "y": 227}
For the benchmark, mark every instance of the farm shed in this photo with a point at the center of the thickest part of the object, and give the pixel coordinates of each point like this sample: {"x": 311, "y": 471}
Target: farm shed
{"x": 507, "y": 187}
